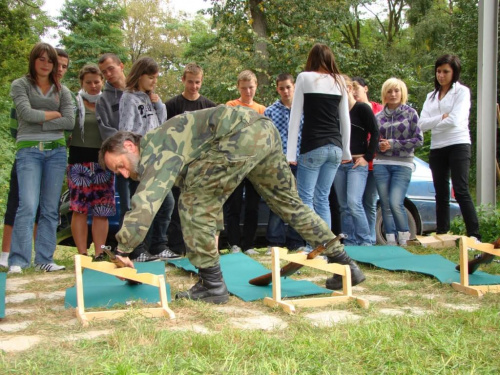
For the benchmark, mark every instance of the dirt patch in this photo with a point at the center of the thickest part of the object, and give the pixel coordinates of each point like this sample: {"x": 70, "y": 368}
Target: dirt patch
{"x": 19, "y": 343}
{"x": 461, "y": 307}
{"x": 330, "y": 318}
{"x": 265, "y": 322}
{"x": 15, "y": 327}
{"x": 87, "y": 335}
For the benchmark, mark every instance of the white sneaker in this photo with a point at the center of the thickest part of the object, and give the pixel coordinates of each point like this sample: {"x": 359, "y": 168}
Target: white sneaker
{"x": 269, "y": 250}
{"x": 391, "y": 239}
{"x": 235, "y": 249}
{"x": 251, "y": 252}
{"x": 15, "y": 269}
{"x": 403, "y": 238}
{"x": 49, "y": 267}
{"x": 4, "y": 264}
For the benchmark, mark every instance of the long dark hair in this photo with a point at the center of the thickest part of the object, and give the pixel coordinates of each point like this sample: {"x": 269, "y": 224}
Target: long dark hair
{"x": 455, "y": 65}
{"x": 144, "y": 65}
{"x": 321, "y": 58}
{"x": 36, "y": 52}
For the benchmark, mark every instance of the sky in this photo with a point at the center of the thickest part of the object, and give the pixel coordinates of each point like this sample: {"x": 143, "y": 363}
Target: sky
{"x": 53, "y": 8}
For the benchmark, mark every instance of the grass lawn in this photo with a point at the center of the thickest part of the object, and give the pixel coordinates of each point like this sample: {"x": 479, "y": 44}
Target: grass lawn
{"x": 414, "y": 325}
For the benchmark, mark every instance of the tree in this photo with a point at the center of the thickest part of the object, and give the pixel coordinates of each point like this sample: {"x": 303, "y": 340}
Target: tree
{"x": 94, "y": 28}
{"x": 21, "y": 24}
{"x": 151, "y": 30}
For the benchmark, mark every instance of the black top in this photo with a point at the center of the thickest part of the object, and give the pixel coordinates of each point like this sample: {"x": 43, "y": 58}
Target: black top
{"x": 83, "y": 155}
{"x": 321, "y": 121}
{"x": 363, "y": 124}
{"x": 179, "y": 104}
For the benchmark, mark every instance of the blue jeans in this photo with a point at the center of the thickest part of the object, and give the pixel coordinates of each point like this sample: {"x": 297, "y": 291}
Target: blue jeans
{"x": 40, "y": 176}
{"x": 316, "y": 171}
{"x": 350, "y": 185}
{"x": 370, "y": 198}
{"x": 392, "y": 185}
{"x": 277, "y": 234}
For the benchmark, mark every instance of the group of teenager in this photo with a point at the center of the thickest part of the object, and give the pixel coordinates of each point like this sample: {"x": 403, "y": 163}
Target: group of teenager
{"x": 324, "y": 131}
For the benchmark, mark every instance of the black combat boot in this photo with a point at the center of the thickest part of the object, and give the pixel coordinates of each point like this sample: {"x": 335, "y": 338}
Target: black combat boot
{"x": 357, "y": 276}
{"x": 210, "y": 287}
{"x": 479, "y": 259}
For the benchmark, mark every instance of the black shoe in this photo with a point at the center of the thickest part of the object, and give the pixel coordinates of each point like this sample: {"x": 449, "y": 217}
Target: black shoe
{"x": 483, "y": 258}
{"x": 210, "y": 287}
{"x": 357, "y": 276}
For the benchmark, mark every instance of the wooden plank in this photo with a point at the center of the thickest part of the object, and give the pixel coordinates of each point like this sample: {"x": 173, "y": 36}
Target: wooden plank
{"x": 464, "y": 263}
{"x": 447, "y": 240}
{"x": 320, "y": 301}
{"x": 276, "y": 276}
{"x": 151, "y": 312}
{"x": 317, "y": 263}
{"x": 467, "y": 290}
{"x": 430, "y": 241}
{"x": 289, "y": 305}
{"x": 464, "y": 287}
{"x": 158, "y": 281}
{"x": 80, "y": 303}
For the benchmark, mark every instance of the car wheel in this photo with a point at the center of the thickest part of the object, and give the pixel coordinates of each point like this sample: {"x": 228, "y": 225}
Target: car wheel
{"x": 380, "y": 231}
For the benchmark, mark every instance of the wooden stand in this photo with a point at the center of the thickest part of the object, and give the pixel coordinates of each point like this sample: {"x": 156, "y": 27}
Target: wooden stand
{"x": 82, "y": 261}
{"x": 320, "y": 264}
{"x": 464, "y": 287}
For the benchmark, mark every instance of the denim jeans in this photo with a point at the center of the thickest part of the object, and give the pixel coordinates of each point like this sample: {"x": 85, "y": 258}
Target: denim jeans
{"x": 40, "y": 175}
{"x": 350, "y": 185}
{"x": 392, "y": 185}
{"x": 455, "y": 161}
{"x": 370, "y": 198}
{"x": 316, "y": 171}
{"x": 277, "y": 234}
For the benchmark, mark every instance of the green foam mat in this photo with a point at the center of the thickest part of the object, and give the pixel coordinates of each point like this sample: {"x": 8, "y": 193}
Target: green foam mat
{"x": 104, "y": 290}
{"x": 238, "y": 268}
{"x": 3, "y": 279}
{"x": 395, "y": 258}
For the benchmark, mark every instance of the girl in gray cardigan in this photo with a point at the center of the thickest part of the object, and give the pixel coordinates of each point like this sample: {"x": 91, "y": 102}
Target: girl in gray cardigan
{"x": 44, "y": 110}
{"x": 141, "y": 110}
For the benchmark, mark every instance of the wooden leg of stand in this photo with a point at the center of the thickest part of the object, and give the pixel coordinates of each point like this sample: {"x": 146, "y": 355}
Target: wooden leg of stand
{"x": 80, "y": 303}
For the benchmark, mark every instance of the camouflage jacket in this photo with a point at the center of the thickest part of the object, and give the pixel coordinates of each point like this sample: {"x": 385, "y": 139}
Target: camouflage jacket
{"x": 167, "y": 151}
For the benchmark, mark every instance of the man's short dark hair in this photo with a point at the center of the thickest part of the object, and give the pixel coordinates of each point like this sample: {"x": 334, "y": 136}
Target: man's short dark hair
{"x": 111, "y": 56}
{"x": 62, "y": 53}
{"x": 284, "y": 77}
{"x": 114, "y": 144}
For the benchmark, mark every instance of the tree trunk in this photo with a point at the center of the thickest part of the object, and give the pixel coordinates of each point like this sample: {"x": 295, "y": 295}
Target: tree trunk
{"x": 259, "y": 26}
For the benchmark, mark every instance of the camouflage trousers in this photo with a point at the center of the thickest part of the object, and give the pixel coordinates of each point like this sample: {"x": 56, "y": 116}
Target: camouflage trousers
{"x": 254, "y": 152}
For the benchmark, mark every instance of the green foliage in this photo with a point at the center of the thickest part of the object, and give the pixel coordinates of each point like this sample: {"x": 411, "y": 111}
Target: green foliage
{"x": 95, "y": 27}
{"x": 20, "y": 28}
{"x": 21, "y": 24}
{"x": 151, "y": 30}
{"x": 489, "y": 223}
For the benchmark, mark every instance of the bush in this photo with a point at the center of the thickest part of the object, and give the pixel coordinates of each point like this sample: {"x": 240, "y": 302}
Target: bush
{"x": 489, "y": 223}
